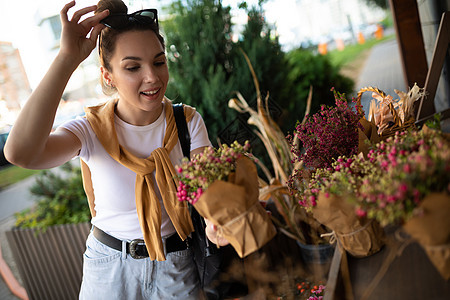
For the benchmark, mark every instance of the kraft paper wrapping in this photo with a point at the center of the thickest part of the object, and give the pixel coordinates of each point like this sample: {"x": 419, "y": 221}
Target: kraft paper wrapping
{"x": 369, "y": 133}
{"x": 358, "y": 237}
{"x": 234, "y": 208}
{"x": 431, "y": 230}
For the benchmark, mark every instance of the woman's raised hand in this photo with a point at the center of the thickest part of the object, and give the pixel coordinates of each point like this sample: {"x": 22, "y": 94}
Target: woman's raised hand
{"x": 78, "y": 39}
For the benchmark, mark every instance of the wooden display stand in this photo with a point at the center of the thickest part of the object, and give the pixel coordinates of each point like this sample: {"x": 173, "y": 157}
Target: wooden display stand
{"x": 425, "y": 108}
{"x": 401, "y": 270}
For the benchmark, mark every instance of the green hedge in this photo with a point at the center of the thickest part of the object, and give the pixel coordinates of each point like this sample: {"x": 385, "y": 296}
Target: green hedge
{"x": 61, "y": 200}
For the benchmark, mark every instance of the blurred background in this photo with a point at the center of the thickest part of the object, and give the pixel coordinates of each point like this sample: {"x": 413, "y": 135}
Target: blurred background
{"x": 292, "y": 45}
{"x": 31, "y": 29}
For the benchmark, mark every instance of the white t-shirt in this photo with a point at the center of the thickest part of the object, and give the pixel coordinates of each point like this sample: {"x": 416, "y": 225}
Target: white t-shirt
{"x": 114, "y": 184}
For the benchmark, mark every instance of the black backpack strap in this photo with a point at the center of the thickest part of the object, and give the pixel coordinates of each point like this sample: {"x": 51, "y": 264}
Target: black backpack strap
{"x": 207, "y": 256}
{"x": 183, "y": 132}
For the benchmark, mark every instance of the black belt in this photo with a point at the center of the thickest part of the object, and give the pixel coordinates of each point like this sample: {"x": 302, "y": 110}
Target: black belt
{"x": 136, "y": 248}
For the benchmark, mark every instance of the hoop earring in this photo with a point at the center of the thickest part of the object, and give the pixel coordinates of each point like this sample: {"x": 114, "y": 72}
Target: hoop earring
{"x": 110, "y": 84}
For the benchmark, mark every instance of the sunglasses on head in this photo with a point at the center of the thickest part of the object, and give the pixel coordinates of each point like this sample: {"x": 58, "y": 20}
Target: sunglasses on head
{"x": 122, "y": 21}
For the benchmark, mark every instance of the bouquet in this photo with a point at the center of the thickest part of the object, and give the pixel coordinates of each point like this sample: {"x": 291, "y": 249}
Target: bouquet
{"x": 330, "y": 196}
{"x": 200, "y": 172}
{"x": 322, "y": 186}
{"x": 223, "y": 186}
{"x": 410, "y": 186}
{"x": 326, "y": 135}
{"x": 409, "y": 167}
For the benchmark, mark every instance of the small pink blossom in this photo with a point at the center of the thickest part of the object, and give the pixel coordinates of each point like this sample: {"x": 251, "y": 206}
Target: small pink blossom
{"x": 361, "y": 213}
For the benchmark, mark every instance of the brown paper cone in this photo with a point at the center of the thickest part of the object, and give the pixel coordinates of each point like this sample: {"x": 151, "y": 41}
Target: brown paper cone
{"x": 234, "y": 207}
{"x": 428, "y": 130}
{"x": 358, "y": 237}
{"x": 440, "y": 258}
{"x": 431, "y": 230}
{"x": 370, "y": 130}
{"x": 368, "y": 134}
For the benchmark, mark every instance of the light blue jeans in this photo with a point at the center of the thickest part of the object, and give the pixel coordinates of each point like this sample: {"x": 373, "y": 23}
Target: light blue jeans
{"x": 111, "y": 274}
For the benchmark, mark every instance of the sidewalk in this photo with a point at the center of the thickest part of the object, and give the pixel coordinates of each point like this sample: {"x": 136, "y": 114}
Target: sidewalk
{"x": 5, "y": 292}
{"x": 12, "y": 199}
{"x": 382, "y": 69}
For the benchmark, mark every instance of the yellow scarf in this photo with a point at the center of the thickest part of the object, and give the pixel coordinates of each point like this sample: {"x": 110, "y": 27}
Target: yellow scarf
{"x": 101, "y": 119}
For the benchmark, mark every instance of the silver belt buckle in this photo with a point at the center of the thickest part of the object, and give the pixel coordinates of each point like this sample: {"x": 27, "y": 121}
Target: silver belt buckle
{"x": 133, "y": 245}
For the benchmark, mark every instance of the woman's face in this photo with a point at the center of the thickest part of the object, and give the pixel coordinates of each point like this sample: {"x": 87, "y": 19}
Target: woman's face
{"x": 140, "y": 74}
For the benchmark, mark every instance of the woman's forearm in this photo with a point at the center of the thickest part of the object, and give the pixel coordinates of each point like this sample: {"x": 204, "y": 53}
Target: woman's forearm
{"x": 29, "y": 135}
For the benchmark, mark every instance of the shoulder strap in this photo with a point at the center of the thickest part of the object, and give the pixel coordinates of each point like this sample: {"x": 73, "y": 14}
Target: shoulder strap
{"x": 207, "y": 256}
{"x": 183, "y": 132}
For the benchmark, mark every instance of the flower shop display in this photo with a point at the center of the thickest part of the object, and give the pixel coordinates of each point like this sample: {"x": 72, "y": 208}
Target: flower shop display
{"x": 409, "y": 185}
{"x": 325, "y": 182}
{"x": 330, "y": 196}
{"x": 223, "y": 186}
{"x": 295, "y": 222}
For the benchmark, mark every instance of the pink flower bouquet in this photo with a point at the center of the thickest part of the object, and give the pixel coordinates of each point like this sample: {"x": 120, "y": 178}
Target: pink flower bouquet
{"x": 333, "y": 134}
{"x": 223, "y": 186}
{"x": 412, "y": 188}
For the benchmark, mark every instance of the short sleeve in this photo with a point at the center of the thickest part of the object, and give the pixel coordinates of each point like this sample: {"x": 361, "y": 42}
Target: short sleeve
{"x": 198, "y": 132}
{"x": 80, "y": 127}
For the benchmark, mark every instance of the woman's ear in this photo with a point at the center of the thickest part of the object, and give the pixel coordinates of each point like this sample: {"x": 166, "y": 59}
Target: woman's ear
{"x": 107, "y": 77}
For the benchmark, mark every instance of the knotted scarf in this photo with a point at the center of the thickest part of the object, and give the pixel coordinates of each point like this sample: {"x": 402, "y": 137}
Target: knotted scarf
{"x": 101, "y": 119}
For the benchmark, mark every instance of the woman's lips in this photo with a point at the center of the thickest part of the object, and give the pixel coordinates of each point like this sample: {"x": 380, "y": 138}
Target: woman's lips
{"x": 150, "y": 93}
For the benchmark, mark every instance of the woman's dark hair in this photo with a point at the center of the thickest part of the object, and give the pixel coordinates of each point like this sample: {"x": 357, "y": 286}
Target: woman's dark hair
{"x": 108, "y": 36}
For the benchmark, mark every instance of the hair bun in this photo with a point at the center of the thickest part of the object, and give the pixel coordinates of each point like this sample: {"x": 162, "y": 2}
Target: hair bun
{"x": 114, "y": 6}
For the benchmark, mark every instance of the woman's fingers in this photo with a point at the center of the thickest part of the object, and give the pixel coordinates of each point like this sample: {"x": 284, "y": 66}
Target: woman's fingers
{"x": 63, "y": 13}
{"x": 213, "y": 236}
{"x": 94, "y": 20}
{"x": 79, "y": 13}
{"x": 96, "y": 32}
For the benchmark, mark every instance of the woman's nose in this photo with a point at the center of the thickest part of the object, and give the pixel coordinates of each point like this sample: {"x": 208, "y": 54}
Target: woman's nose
{"x": 150, "y": 75}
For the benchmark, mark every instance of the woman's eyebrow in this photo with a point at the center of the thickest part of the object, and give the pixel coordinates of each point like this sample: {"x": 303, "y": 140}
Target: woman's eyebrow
{"x": 160, "y": 53}
{"x": 131, "y": 58}
{"x": 138, "y": 58}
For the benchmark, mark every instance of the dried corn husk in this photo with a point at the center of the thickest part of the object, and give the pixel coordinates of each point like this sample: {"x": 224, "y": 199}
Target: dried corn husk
{"x": 391, "y": 115}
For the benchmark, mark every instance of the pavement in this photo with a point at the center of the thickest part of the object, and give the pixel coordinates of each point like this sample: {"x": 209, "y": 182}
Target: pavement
{"x": 13, "y": 199}
{"x": 11, "y": 280}
{"x": 382, "y": 69}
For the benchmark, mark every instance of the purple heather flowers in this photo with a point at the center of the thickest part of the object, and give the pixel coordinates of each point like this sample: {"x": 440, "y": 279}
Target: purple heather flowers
{"x": 325, "y": 136}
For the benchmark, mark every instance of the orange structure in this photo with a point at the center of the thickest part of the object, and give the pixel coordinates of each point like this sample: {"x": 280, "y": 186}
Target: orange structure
{"x": 322, "y": 48}
{"x": 361, "y": 39}
{"x": 379, "y": 32}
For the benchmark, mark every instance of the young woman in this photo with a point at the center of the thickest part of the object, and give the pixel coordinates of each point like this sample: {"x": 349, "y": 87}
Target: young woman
{"x": 137, "y": 248}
